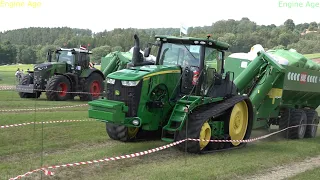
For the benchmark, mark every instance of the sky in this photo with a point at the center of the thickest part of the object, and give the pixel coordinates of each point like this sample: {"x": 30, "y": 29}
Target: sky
{"x": 100, "y": 15}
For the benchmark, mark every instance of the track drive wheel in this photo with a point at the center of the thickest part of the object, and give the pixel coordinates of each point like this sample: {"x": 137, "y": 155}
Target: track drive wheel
{"x": 93, "y": 87}
{"x": 297, "y": 117}
{"x": 238, "y": 122}
{"x": 26, "y": 80}
{"x": 61, "y": 84}
{"x": 121, "y": 133}
{"x": 312, "y": 118}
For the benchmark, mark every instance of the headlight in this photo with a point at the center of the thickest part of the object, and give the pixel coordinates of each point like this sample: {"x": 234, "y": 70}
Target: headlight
{"x": 111, "y": 81}
{"x": 130, "y": 83}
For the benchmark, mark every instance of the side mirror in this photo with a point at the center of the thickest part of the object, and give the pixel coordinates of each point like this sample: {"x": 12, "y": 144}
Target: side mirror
{"x": 147, "y": 52}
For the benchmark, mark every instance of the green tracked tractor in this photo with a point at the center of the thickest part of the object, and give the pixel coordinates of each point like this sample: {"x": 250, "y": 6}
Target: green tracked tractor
{"x": 70, "y": 73}
{"x": 190, "y": 92}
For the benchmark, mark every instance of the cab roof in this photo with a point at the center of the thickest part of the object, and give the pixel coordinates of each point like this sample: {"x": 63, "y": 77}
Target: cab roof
{"x": 194, "y": 41}
{"x": 74, "y": 49}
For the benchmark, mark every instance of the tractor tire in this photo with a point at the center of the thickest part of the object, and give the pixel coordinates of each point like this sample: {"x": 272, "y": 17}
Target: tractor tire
{"x": 297, "y": 117}
{"x": 58, "y": 83}
{"x": 93, "y": 87}
{"x": 284, "y": 121}
{"x": 111, "y": 131}
{"x": 26, "y": 80}
{"x": 121, "y": 133}
{"x": 312, "y": 118}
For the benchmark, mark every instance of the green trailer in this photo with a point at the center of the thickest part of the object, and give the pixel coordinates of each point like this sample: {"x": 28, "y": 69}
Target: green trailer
{"x": 281, "y": 90}
{"x": 193, "y": 91}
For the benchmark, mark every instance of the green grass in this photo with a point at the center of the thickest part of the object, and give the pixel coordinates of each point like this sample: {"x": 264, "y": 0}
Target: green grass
{"x": 307, "y": 175}
{"x": 29, "y": 147}
{"x": 312, "y": 56}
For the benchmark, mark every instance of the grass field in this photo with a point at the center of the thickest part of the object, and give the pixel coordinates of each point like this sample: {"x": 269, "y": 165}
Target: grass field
{"x": 30, "y": 147}
{"x": 312, "y": 56}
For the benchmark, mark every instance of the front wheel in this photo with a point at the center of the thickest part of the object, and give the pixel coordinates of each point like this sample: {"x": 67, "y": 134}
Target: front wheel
{"x": 121, "y": 133}
{"x": 58, "y": 88}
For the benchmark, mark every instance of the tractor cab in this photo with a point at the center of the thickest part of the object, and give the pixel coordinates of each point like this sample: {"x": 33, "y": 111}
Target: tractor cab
{"x": 200, "y": 59}
{"x": 76, "y": 59}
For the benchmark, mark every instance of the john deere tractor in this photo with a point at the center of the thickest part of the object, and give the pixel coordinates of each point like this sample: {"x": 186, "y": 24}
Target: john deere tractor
{"x": 71, "y": 72}
{"x": 188, "y": 94}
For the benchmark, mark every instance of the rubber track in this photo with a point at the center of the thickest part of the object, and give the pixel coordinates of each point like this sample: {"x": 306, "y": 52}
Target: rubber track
{"x": 201, "y": 114}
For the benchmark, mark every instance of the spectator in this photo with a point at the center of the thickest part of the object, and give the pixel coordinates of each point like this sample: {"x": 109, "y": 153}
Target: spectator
{"x": 18, "y": 75}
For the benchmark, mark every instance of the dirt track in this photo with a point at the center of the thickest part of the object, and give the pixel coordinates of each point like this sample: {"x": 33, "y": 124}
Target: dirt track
{"x": 282, "y": 172}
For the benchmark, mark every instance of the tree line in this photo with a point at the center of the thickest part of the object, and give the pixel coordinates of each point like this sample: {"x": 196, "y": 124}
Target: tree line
{"x": 29, "y": 45}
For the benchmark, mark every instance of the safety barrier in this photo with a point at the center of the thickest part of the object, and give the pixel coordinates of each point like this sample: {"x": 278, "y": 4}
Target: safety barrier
{"x": 44, "y": 122}
{"x": 142, "y": 153}
{"x": 40, "y": 90}
{"x": 61, "y": 107}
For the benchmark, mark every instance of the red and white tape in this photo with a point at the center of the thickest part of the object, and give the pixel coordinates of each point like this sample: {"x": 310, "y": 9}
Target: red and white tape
{"x": 7, "y": 87}
{"x": 44, "y": 122}
{"x": 61, "y": 107}
{"x": 142, "y": 153}
{"x": 44, "y": 90}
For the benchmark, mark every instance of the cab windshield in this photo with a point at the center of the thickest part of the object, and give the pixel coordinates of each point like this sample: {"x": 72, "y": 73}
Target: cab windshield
{"x": 178, "y": 54}
{"x": 65, "y": 56}
{"x": 187, "y": 55}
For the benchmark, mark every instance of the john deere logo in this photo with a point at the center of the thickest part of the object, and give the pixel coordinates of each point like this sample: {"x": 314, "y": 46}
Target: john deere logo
{"x": 117, "y": 92}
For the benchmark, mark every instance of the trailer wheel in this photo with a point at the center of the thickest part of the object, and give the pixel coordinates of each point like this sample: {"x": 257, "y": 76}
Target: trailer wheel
{"x": 61, "y": 84}
{"x": 297, "y": 117}
{"x": 26, "y": 80}
{"x": 312, "y": 118}
{"x": 284, "y": 120}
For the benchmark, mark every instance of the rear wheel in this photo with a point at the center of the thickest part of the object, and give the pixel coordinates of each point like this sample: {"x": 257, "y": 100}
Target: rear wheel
{"x": 312, "y": 118}
{"x": 58, "y": 88}
{"x": 26, "y": 80}
{"x": 93, "y": 87}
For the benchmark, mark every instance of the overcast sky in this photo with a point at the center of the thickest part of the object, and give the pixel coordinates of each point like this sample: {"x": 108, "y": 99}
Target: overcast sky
{"x": 99, "y": 15}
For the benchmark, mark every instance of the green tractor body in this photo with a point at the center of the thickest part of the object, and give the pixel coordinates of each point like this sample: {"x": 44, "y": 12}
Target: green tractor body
{"x": 63, "y": 79}
{"x": 190, "y": 93}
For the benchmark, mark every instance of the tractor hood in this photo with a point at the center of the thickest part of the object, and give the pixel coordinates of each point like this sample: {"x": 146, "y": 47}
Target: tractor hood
{"x": 47, "y": 65}
{"x": 139, "y": 72}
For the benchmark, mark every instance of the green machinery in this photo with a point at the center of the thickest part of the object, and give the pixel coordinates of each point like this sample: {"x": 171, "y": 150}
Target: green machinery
{"x": 70, "y": 73}
{"x": 191, "y": 91}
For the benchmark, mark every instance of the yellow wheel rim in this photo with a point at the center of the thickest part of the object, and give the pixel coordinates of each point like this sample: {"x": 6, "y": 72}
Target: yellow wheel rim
{"x": 132, "y": 132}
{"x": 238, "y": 122}
{"x": 205, "y": 135}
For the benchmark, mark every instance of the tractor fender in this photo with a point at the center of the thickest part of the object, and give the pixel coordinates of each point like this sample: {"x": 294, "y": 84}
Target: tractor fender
{"x": 87, "y": 72}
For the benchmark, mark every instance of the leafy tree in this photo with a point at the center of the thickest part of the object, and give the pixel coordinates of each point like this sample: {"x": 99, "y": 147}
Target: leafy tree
{"x": 313, "y": 26}
{"x": 289, "y": 24}
{"x": 99, "y": 52}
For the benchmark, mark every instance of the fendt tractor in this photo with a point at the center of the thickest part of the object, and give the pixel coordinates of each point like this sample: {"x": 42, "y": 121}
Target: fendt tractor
{"x": 70, "y": 73}
{"x": 190, "y": 92}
